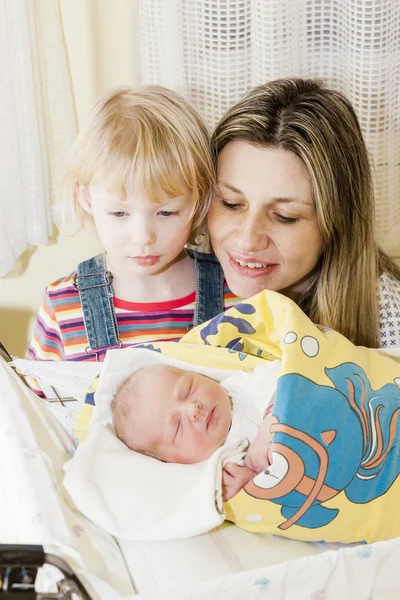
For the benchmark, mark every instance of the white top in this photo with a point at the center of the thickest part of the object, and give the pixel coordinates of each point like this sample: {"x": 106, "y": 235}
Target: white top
{"x": 389, "y": 310}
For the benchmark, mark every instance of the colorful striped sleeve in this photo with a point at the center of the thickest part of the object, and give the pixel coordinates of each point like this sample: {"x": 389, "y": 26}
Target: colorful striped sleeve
{"x": 47, "y": 341}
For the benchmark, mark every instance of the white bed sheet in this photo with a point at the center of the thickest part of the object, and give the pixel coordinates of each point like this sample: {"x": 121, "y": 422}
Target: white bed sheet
{"x": 167, "y": 567}
{"x": 34, "y": 446}
{"x": 226, "y": 563}
{"x": 359, "y": 573}
{"x": 223, "y": 565}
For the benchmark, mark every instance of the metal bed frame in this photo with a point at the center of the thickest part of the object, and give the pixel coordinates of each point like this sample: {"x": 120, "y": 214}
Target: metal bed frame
{"x": 19, "y": 566}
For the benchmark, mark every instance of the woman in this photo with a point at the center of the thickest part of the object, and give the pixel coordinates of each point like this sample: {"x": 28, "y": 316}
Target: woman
{"x": 294, "y": 210}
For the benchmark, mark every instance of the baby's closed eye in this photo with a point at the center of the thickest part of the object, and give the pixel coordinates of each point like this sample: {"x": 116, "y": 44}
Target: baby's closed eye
{"x": 178, "y": 431}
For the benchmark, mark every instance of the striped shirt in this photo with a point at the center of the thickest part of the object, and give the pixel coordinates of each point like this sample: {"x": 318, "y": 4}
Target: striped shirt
{"x": 60, "y": 333}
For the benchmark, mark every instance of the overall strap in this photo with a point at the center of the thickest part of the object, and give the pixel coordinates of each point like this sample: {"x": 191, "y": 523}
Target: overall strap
{"x": 209, "y": 287}
{"x": 94, "y": 285}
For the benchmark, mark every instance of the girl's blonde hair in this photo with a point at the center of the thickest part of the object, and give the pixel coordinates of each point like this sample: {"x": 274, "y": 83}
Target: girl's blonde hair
{"x": 320, "y": 126}
{"x": 152, "y": 133}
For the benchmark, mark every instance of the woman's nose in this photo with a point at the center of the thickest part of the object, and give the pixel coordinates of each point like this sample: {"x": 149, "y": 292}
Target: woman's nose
{"x": 253, "y": 234}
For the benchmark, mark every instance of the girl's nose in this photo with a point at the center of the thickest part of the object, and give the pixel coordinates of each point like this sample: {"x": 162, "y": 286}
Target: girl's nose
{"x": 143, "y": 232}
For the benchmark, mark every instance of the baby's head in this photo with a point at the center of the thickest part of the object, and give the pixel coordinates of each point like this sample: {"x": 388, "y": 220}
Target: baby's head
{"x": 173, "y": 415}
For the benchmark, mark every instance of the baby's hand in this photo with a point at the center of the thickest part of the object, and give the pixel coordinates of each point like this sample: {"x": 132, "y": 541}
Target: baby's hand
{"x": 258, "y": 455}
{"x": 234, "y": 478}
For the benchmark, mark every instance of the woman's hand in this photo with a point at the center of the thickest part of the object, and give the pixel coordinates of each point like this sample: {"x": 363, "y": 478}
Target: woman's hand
{"x": 234, "y": 478}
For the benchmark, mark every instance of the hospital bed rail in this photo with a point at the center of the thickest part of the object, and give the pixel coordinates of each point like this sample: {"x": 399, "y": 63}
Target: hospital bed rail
{"x": 19, "y": 566}
{"x": 55, "y": 399}
{"x": 20, "y": 563}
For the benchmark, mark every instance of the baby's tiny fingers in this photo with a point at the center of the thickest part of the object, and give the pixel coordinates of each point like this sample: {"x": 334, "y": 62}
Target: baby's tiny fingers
{"x": 227, "y": 479}
{"x": 232, "y": 469}
{"x": 248, "y": 462}
{"x": 224, "y": 493}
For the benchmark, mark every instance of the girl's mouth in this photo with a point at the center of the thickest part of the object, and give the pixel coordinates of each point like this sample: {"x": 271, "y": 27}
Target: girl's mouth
{"x": 145, "y": 261}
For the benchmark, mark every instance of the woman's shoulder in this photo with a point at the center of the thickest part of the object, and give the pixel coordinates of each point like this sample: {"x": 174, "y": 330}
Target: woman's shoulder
{"x": 388, "y": 292}
{"x": 388, "y": 289}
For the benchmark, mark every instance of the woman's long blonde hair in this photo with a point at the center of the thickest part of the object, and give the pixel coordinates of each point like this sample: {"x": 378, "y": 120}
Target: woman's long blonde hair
{"x": 320, "y": 126}
{"x": 150, "y": 132}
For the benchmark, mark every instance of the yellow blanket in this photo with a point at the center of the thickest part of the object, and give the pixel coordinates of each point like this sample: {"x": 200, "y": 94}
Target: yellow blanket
{"x": 336, "y": 444}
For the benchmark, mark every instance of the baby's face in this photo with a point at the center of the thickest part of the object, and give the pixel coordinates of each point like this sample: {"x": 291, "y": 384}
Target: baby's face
{"x": 183, "y": 416}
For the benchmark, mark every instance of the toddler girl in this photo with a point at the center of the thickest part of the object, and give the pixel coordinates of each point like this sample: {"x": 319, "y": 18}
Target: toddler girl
{"x": 141, "y": 168}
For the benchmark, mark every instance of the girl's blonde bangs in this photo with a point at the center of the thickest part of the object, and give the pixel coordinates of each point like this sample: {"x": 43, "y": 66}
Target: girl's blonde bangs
{"x": 150, "y": 136}
{"x": 152, "y": 176}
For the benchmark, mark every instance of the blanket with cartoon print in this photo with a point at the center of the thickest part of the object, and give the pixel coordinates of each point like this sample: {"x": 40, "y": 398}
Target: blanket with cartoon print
{"x": 336, "y": 445}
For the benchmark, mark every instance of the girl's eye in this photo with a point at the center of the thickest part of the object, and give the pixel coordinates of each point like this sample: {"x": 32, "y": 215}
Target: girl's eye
{"x": 168, "y": 213}
{"x": 231, "y": 205}
{"x": 118, "y": 213}
{"x": 286, "y": 220}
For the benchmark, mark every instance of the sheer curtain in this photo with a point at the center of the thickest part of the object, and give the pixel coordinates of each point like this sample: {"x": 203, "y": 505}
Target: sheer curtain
{"x": 213, "y": 51}
{"x": 37, "y": 123}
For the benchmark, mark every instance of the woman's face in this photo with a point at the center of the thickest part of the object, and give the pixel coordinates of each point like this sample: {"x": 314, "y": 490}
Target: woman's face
{"x": 262, "y": 221}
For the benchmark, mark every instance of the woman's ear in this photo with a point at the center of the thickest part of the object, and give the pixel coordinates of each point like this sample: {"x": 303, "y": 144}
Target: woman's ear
{"x": 82, "y": 193}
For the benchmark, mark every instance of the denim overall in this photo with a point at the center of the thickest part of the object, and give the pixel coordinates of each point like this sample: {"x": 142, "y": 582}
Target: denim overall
{"x": 95, "y": 290}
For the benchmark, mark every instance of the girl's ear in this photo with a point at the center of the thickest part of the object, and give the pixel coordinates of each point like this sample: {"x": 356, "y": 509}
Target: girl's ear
{"x": 82, "y": 193}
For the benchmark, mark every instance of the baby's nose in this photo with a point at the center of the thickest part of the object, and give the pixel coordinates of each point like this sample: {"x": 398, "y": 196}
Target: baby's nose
{"x": 194, "y": 410}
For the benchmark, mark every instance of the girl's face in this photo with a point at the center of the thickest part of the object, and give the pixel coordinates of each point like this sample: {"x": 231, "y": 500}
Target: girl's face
{"x": 139, "y": 236}
{"x": 262, "y": 222}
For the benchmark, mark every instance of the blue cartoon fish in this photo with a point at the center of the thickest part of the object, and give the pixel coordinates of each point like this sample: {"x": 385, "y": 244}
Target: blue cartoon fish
{"x": 329, "y": 439}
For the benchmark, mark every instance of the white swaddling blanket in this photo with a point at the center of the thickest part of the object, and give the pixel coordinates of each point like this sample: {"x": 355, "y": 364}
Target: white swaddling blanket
{"x": 137, "y": 497}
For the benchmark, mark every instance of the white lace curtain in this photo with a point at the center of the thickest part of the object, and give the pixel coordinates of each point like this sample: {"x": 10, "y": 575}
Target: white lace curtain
{"x": 213, "y": 51}
{"x": 37, "y": 123}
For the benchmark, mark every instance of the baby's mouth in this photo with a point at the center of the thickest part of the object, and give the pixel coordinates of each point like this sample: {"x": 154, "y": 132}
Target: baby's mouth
{"x": 209, "y": 417}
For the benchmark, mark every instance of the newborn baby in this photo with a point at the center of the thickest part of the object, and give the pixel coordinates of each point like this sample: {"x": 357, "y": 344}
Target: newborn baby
{"x": 183, "y": 417}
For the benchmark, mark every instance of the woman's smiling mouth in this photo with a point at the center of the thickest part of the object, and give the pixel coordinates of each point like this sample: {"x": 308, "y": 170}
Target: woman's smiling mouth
{"x": 251, "y": 267}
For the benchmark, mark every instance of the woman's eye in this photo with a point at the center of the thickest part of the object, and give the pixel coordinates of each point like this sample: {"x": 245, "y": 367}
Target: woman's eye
{"x": 231, "y": 205}
{"x": 118, "y": 213}
{"x": 168, "y": 213}
{"x": 287, "y": 220}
